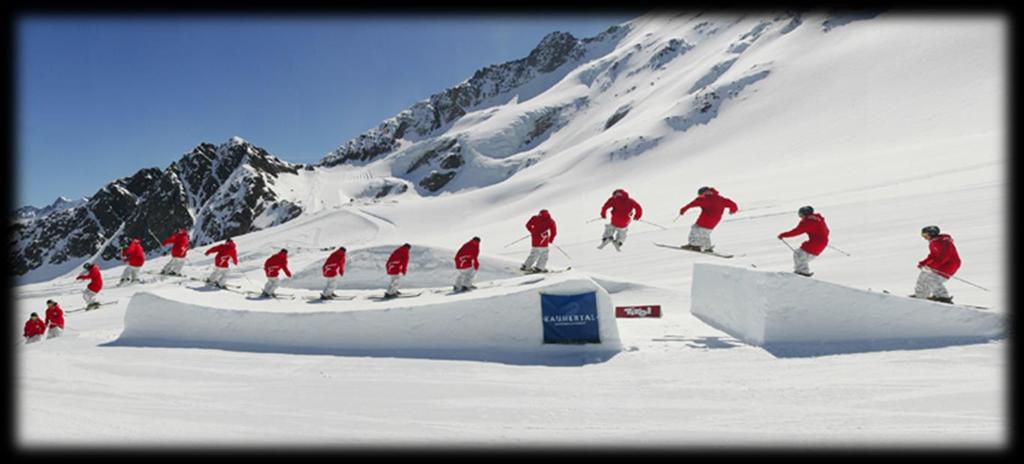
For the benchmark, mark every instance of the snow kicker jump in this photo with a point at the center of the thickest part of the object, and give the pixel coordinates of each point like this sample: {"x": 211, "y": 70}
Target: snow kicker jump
{"x": 790, "y": 315}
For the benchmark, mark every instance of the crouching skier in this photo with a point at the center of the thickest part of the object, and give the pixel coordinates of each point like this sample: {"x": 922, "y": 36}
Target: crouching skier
{"x": 623, "y": 208}
{"x": 812, "y": 224}
{"x": 135, "y": 257}
{"x": 333, "y": 268}
{"x": 178, "y": 252}
{"x": 940, "y": 265}
{"x": 467, "y": 261}
{"x": 271, "y": 267}
{"x": 397, "y": 265}
{"x": 711, "y": 206}
{"x": 92, "y": 274}
{"x": 224, "y": 252}
{"x": 34, "y": 329}
{"x": 54, "y": 319}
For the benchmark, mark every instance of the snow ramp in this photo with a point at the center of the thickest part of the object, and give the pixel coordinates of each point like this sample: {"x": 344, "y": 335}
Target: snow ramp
{"x": 501, "y": 323}
{"x": 789, "y": 315}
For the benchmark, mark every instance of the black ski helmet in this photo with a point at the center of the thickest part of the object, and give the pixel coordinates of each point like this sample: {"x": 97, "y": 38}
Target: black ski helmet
{"x": 476, "y": 239}
{"x": 406, "y": 245}
{"x": 87, "y": 265}
{"x": 284, "y": 251}
{"x": 33, "y": 315}
{"x": 342, "y": 248}
{"x": 49, "y": 302}
{"x": 703, "y": 189}
{"x": 931, "y": 231}
{"x": 805, "y": 211}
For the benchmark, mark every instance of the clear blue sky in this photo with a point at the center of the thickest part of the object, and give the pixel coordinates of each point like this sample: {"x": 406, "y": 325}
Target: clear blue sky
{"x": 100, "y": 98}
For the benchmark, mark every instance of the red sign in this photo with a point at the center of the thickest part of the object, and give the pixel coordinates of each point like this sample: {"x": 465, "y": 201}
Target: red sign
{"x": 638, "y": 311}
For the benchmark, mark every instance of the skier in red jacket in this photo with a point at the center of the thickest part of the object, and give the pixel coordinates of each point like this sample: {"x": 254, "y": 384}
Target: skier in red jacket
{"x": 542, "y": 233}
{"x": 624, "y": 209}
{"x": 467, "y": 261}
{"x": 272, "y": 267}
{"x": 225, "y": 252}
{"x": 942, "y": 262}
{"x": 92, "y": 274}
{"x": 54, "y": 319}
{"x": 333, "y": 268}
{"x": 180, "y": 248}
{"x": 34, "y": 329}
{"x": 135, "y": 257}
{"x": 711, "y": 206}
{"x": 812, "y": 224}
{"x": 397, "y": 265}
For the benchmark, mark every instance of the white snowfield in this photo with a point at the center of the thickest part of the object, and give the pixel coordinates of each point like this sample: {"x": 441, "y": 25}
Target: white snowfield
{"x": 883, "y": 125}
{"x": 499, "y": 324}
{"x": 791, "y": 315}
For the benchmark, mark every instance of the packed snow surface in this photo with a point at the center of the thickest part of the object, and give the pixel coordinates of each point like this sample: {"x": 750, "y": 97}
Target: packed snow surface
{"x": 792, "y": 315}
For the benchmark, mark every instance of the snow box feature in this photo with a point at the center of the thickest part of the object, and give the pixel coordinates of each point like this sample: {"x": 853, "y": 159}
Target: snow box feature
{"x": 789, "y": 315}
{"x": 498, "y": 324}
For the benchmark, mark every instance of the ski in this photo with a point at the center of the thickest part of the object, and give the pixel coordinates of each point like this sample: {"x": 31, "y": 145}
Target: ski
{"x": 884, "y": 291}
{"x": 102, "y": 303}
{"x": 336, "y": 298}
{"x": 400, "y": 295}
{"x": 678, "y": 247}
{"x": 277, "y": 296}
{"x": 548, "y": 271}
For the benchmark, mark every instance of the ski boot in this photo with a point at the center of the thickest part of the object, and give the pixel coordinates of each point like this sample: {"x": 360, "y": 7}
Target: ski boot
{"x": 538, "y": 270}
{"x": 805, "y": 274}
{"x": 940, "y": 299}
{"x": 617, "y": 244}
{"x": 524, "y": 268}
{"x": 690, "y": 247}
{"x": 604, "y": 241}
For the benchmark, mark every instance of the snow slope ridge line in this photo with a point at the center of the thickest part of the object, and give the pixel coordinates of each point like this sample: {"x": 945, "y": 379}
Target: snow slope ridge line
{"x": 794, "y": 316}
{"x": 496, "y": 325}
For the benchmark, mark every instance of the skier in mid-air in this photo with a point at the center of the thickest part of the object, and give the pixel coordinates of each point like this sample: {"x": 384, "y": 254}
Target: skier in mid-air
{"x": 397, "y": 265}
{"x": 467, "y": 261}
{"x": 34, "y": 329}
{"x": 938, "y": 267}
{"x": 54, "y": 319}
{"x": 135, "y": 257}
{"x": 812, "y": 224}
{"x": 711, "y": 206}
{"x": 275, "y": 264}
{"x": 542, "y": 233}
{"x": 624, "y": 209}
{"x": 179, "y": 240}
{"x": 92, "y": 274}
{"x": 224, "y": 252}
{"x": 333, "y": 268}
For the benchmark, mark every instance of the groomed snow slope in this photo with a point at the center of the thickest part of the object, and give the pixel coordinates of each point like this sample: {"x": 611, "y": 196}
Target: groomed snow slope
{"x": 791, "y": 315}
{"x": 497, "y": 323}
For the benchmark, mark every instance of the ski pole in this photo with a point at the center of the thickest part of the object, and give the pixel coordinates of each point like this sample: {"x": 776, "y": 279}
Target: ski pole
{"x": 787, "y": 244}
{"x": 653, "y": 224}
{"x": 677, "y": 218}
{"x": 973, "y": 285}
{"x": 563, "y": 251}
{"x": 841, "y": 251}
{"x": 595, "y": 219}
{"x": 517, "y": 241}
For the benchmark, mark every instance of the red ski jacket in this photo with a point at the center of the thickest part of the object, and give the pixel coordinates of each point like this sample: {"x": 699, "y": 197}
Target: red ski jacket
{"x": 711, "y": 207}
{"x": 134, "y": 254}
{"x": 942, "y": 256}
{"x": 817, "y": 233}
{"x": 335, "y": 264}
{"x": 398, "y": 262}
{"x": 180, "y": 241}
{"x": 622, "y": 208}
{"x": 33, "y": 328}
{"x": 225, "y": 251}
{"x": 468, "y": 256}
{"x": 95, "y": 277}
{"x": 542, "y": 229}
{"x": 55, "y": 316}
{"x": 276, "y": 263}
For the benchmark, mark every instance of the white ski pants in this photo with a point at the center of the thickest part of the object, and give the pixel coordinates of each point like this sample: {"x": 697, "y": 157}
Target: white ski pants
{"x": 89, "y": 296}
{"x": 393, "y": 285}
{"x": 801, "y": 261}
{"x": 271, "y": 286}
{"x": 219, "y": 276}
{"x": 538, "y": 258}
{"x": 930, "y": 284}
{"x": 33, "y": 339}
{"x": 617, "y": 234}
{"x": 332, "y": 283}
{"x": 54, "y": 331}
{"x": 131, "y": 273}
{"x": 465, "y": 278}
{"x": 700, "y": 237}
{"x": 174, "y": 266}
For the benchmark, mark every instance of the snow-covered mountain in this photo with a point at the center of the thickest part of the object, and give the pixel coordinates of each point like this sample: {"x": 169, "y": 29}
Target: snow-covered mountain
{"x": 212, "y": 191}
{"x": 60, "y": 204}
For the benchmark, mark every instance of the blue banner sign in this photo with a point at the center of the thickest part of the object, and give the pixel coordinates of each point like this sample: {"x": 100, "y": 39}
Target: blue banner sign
{"x": 570, "y": 318}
